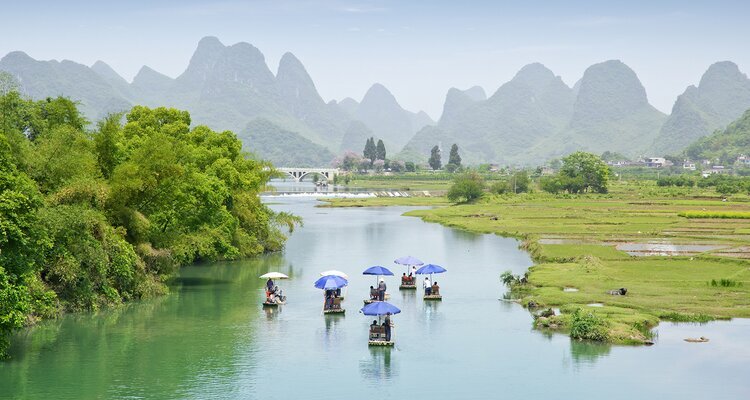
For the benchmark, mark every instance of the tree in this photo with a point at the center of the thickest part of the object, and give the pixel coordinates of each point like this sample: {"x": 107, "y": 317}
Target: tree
{"x": 380, "y": 150}
{"x": 397, "y": 166}
{"x": 8, "y": 83}
{"x": 466, "y": 187}
{"x": 434, "y": 161}
{"x": 370, "y": 151}
{"x": 454, "y": 158}
{"x": 519, "y": 182}
{"x": 379, "y": 165}
{"x": 582, "y": 172}
{"x": 409, "y": 166}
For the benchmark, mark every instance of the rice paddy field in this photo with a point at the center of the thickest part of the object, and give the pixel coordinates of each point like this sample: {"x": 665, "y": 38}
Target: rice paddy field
{"x": 683, "y": 254}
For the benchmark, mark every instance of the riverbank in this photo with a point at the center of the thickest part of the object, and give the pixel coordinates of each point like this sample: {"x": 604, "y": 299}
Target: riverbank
{"x": 675, "y": 268}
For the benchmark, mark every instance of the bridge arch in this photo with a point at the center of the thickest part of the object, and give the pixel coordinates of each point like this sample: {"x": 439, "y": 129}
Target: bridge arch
{"x": 300, "y": 173}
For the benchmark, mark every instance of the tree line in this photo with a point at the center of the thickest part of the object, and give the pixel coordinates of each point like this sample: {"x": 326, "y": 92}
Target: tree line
{"x": 95, "y": 217}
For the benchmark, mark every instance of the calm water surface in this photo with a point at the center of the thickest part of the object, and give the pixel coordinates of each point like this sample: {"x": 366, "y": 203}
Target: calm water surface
{"x": 210, "y": 338}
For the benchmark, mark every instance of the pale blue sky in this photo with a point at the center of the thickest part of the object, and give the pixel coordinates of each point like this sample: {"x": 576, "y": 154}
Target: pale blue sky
{"x": 418, "y": 49}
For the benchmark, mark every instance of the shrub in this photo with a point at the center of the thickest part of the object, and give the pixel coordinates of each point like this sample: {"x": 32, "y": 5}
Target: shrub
{"x": 466, "y": 187}
{"x": 585, "y": 325}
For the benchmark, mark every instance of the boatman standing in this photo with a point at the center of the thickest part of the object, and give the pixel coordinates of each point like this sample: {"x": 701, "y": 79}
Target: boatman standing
{"x": 427, "y": 286}
{"x": 381, "y": 290}
{"x": 387, "y": 325}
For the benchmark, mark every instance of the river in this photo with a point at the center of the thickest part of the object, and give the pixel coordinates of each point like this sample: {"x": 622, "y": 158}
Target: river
{"x": 210, "y": 338}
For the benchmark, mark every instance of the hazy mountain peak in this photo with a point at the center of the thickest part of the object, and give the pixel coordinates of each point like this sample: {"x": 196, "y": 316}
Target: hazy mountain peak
{"x": 609, "y": 90}
{"x": 17, "y": 56}
{"x": 291, "y": 71}
{"x": 204, "y": 58}
{"x": 146, "y": 75}
{"x": 379, "y": 94}
{"x": 106, "y": 72}
{"x": 534, "y": 72}
{"x": 476, "y": 93}
{"x": 720, "y": 71}
{"x": 349, "y": 105}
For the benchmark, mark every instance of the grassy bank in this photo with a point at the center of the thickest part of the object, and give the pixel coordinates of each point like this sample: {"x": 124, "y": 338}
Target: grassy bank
{"x": 574, "y": 241}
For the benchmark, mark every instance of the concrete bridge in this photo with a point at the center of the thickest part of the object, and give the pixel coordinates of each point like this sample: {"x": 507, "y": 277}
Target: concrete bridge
{"x": 299, "y": 173}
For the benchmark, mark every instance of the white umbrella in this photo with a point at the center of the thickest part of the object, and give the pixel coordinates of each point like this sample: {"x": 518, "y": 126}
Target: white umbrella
{"x": 274, "y": 275}
{"x": 334, "y": 272}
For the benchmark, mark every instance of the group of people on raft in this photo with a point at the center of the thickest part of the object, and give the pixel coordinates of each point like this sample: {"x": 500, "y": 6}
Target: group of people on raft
{"x": 409, "y": 279}
{"x": 332, "y": 299}
{"x": 430, "y": 289}
{"x": 378, "y": 293}
{"x": 380, "y": 332}
{"x": 274, "y": 294}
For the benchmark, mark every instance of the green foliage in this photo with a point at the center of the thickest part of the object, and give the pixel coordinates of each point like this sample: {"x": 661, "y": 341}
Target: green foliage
{"x": 380, "y": 150}
{"x": 519, "y": 182}
{"x": 454, "y": 158}
{"x": 581, "y": 172}
{"x": 370, "y": 151}
{"x": 434, "y": 161}
{"x": 587, "y": 326}
{"x": 679, "y": 181}
{"x": 725, "y": 283}
{"x": 15, "y": 304}
{"x": 94, "y": 219}
{"x": 466, "y": 187}
{"x": 724, "y": 145}
{"x": 410, "y": 167}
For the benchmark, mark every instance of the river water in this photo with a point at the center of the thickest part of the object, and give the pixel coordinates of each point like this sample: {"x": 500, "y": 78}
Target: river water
{"x": 210, "y": 338}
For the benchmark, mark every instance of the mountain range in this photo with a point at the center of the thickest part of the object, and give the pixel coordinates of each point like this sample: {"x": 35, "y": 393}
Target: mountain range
{"x": 282, "y": 117}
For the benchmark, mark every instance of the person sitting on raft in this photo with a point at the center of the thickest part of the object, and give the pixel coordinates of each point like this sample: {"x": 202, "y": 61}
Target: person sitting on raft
{"x": 427, "y": 286}
{"x": 330, "y": 294}
{"x": 404, "y": 279}
{"x": 435, "y": 288}
{"x": 373, "y": 293}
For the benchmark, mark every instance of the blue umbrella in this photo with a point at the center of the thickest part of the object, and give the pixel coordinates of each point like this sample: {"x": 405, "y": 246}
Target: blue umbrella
{"x": 329, "y": 282}
{"x": 408, "y": 260}
{"x": 377, "y": 270}
{"x": 379, "y": 308}
{"x": 431, "y": 269}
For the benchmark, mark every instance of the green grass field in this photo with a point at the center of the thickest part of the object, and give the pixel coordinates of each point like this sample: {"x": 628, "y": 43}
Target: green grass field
{"x": 574, "y": 241}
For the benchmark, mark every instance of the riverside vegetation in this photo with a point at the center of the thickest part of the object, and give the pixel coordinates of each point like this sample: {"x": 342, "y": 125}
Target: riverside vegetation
{"x": 691, "y": 264}
{"x": 96, "y": 217}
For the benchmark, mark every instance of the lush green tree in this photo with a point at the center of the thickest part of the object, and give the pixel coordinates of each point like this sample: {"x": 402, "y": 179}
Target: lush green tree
{"x": 108, "y": 142}
{"x": 451, "y": 167}
{"x": 453, "y": 157}
{"x": 582, "y": 172}
{"x": 410, "y": 167}
{"x": 434, "y": 160}
{"x": 370, "y": 152}
{"x": 93, "y": 219}
{"x": 466, "y": 187}
{"x": 380, "y": 150}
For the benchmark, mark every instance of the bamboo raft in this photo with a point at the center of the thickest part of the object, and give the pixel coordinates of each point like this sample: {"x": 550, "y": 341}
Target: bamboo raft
{"x": 381, "y": 343}
{"x": 407, "y": 287}
{"x": 267, "y": 304}
{"x": 334, "y": 311}
{"x": 433, "y": 297}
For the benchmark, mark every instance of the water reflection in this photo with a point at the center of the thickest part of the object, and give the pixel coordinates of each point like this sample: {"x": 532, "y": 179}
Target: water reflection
{"x": 585, "y": 352}
{"x": 377, "y": 368}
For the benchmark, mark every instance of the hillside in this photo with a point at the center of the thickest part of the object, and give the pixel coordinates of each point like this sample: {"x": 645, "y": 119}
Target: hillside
{"x": 724, "y": 145}
{"x": 722, "y": 95}
{"x": 282, "y": 147}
